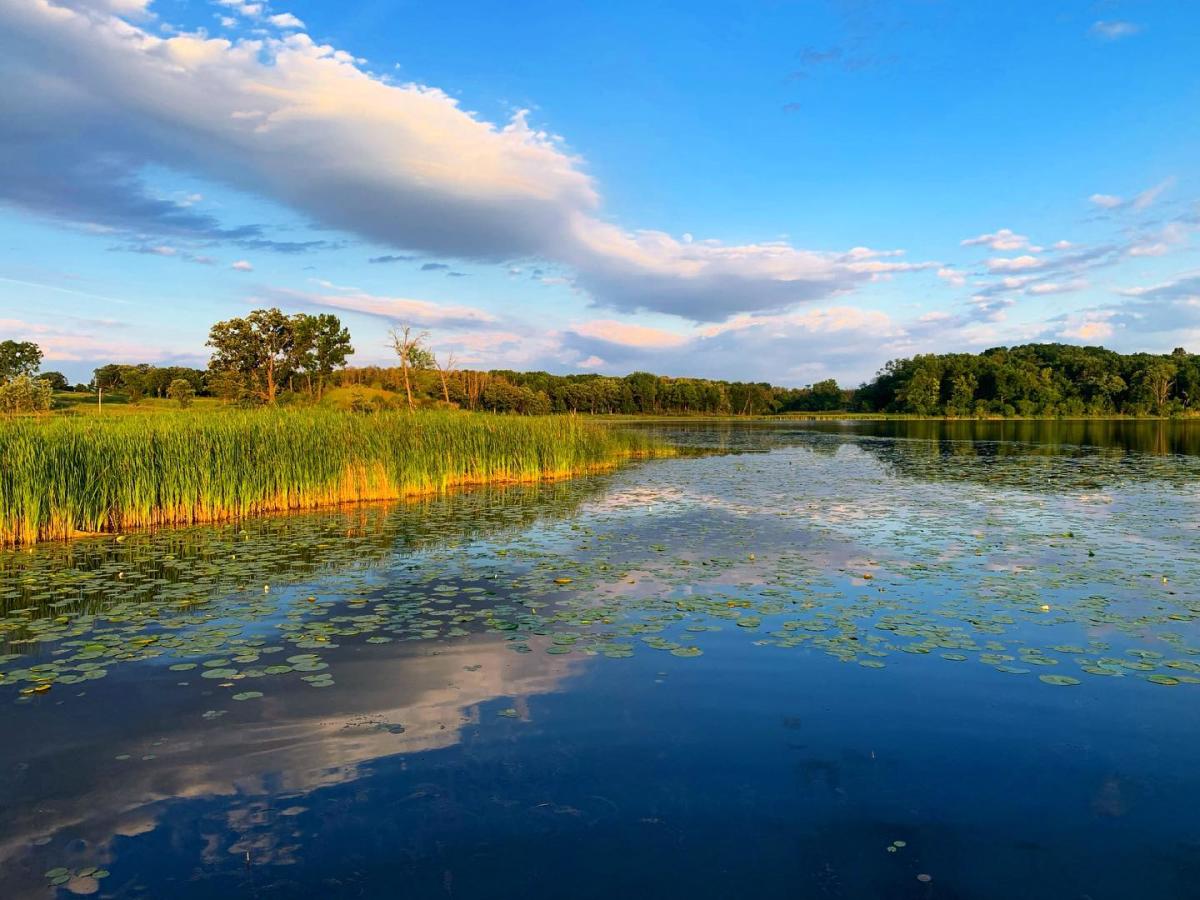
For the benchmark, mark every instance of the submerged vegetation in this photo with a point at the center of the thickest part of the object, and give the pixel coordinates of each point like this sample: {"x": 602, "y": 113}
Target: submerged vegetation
{"x": 65, "y": 477}
{"x": 792, "y": 550}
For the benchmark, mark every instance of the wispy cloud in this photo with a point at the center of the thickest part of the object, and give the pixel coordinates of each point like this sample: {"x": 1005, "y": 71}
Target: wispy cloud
{"x": 58, "y": 289}
{"x": 1113, "y": 29}
{"x": 424, "y": 313}
{"x": 1140, "y": 201}
{"x": 1005, "y": 239}
{"x": 629, "y": 334}
{"x": 1014, "y": 263}
{"x": 78, "y": 340}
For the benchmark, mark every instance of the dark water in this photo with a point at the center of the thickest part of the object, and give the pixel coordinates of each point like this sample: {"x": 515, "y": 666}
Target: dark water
{"x": 874, "y": 660}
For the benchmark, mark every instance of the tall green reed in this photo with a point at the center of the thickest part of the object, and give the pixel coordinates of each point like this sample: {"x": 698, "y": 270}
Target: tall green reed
{"x": 71, "y": 476}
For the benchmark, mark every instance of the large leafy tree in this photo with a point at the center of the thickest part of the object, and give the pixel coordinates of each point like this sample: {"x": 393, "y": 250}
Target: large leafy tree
{"x": 56, "y": 380}
{"x": 257, "y": 347}
{"x": 322, "y": 346}
{"x": 19, "y": 358}
{"x": 266, "y": 351}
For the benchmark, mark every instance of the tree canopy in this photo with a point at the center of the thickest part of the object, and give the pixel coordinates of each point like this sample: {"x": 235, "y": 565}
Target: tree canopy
{"x": 19, "y": 358}
{"x": 1037, "y": 380}
{"x": 267, "y": 349}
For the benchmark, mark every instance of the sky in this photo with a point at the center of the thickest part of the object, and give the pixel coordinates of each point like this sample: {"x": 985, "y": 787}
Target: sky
{"x": 770, "y": 191}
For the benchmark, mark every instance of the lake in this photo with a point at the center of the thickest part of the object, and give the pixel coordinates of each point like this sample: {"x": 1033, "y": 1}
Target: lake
{"x": 835, "y": 659}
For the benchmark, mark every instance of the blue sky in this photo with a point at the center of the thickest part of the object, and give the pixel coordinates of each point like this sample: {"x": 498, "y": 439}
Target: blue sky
{"x": 771, "y": 191}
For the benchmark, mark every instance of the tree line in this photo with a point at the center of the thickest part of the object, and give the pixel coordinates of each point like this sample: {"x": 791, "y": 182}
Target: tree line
{"x": 539, "y": 393}
{"x": 268, "y": 357}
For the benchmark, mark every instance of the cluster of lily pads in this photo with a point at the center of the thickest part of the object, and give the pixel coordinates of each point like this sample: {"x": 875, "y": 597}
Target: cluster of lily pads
{"x": 84, "y": 880}
{"x": 824, "y": 546}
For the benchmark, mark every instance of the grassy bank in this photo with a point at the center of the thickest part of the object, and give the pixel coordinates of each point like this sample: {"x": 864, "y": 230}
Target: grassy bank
{"x": 62, "y": 477}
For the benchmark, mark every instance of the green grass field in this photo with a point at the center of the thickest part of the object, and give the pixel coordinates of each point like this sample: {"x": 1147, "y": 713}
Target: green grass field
{"x": 68, "y": 475}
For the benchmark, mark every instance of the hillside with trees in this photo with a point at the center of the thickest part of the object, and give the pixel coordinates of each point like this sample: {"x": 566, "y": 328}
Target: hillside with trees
{"x": 1036, "y": 380}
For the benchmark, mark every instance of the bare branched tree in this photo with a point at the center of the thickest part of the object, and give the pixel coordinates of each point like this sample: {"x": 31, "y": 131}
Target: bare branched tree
{"x": 445, "y": 369}
{"x": 413, "y": 355}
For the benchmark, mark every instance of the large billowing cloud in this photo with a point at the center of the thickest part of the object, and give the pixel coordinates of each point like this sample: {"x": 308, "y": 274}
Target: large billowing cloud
{"x": 92, "y": 96}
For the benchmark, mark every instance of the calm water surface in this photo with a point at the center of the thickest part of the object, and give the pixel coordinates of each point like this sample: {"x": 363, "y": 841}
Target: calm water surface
{"x": 858, "y": 660}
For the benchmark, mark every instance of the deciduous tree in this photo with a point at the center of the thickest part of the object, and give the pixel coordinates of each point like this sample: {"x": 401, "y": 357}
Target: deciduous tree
{"x": 257, "y": 347}
{"x": 19, "y": 358}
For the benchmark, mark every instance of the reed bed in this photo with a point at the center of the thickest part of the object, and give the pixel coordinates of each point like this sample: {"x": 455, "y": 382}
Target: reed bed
{"x": 61, "y": 478}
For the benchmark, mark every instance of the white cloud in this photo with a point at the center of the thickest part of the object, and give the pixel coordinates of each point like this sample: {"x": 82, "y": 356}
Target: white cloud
{"x": 630, "y": 334}
{"x": 1014, "y": 264}
{"x": 1004, "y": 239}
{"x": 1185, "y": 287}
{"x": 1161, "y": 242}
{"x": 129, "y": 8}
{"x": 1057, "y": 287}
{"x": 951, "y": 276}
{"x": 242, "y": 265}
{"x": 250, "y": 10}
{"x": 814, "y": 321}
{"x": 1148, "y": 197}
{"x": 286, "y": 21}
{"x": 1140, "y": 201}
{"x": 402, "y": 165}
{"x": 1089, "y": 330}
{"x": 424, "y": 313}
{"x": 78, "y": 340}
{"x": 1113, "y": 29}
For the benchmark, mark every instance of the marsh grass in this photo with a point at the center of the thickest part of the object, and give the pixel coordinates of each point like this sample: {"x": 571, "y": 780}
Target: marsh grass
{"x": 65, "y": 477}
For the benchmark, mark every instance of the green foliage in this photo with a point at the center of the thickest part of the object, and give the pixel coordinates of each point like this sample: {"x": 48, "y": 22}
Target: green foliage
{"x": 145, "y": 380}
{"x": 56, "y": 380}
{"x": 25, "y": 395}
{"x": 321, "y": 348}
{"x": 19, "y": 358}
{"x": 534, "y": 393}
{"x": 1036, "y": 380}
{"x": 268, "y": 350}
{"x": 65, "y": 476}
{"x": 256, "y": 347}
{"x": 362, "y": 399}
{"x": 182, "y": 392}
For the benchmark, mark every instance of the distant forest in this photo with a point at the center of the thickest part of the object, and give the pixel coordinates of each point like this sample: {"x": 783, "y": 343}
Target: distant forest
{"x": 498, "y": 390}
